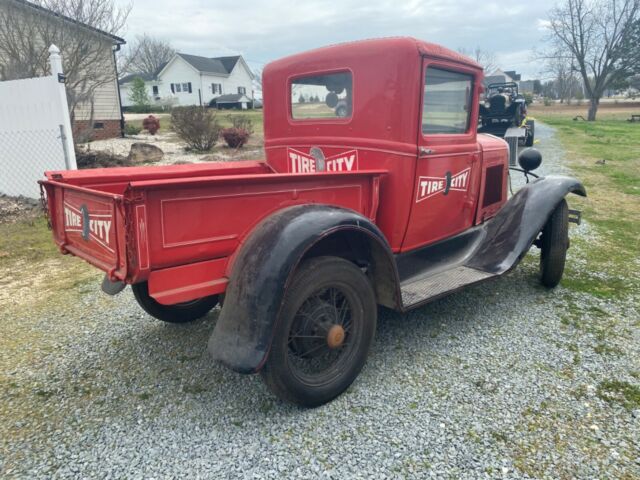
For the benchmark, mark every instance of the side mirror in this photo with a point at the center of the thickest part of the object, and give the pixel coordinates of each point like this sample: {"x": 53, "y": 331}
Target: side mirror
{"x": 530, "y": 159}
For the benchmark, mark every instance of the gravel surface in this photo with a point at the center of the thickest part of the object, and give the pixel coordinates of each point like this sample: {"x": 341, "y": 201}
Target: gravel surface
{"x": 502, "y": 380}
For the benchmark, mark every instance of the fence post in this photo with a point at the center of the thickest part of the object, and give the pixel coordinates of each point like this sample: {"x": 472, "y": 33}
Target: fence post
{"x": 66, "y": 133}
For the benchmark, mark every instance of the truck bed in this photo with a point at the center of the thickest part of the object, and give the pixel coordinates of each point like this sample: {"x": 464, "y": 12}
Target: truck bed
{"x": 178, "y": 226}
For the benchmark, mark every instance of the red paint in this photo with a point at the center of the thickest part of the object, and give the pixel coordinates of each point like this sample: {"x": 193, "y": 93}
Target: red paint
{"x": 178, "y": 226}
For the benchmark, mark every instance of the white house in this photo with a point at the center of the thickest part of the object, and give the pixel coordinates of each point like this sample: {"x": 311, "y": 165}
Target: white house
{"x": 193, "y": 80}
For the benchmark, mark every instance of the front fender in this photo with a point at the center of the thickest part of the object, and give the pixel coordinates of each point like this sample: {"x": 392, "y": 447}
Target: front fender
{"x": 261, "y": 271}
{"x": 511, "y": 232}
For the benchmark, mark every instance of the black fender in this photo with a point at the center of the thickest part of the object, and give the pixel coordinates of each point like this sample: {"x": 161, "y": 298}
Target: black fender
{"x": 510, "y": 234}
{"x": 263, "y": 268}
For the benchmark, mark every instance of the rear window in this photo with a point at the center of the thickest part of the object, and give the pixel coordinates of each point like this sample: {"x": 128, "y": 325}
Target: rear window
{"x": 447, "y": 102}
{"x": 322, "y": 96}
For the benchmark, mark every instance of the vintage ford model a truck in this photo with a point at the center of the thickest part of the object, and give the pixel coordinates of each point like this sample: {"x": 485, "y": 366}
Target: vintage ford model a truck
{"x": 376, "y": 190}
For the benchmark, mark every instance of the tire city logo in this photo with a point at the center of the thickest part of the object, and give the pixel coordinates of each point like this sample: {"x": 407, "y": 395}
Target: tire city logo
{"x": 315, "y": 161}
{"x": 90, "y": 226}
{"x": 430, "y": 186}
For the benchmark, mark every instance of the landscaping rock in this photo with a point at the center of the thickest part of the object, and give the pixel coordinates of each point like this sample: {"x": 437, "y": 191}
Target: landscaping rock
{"x": 145, "y": 153}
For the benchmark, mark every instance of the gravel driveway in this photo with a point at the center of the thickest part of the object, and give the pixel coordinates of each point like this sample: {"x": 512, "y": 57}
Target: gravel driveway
{"x": 503, "y": 380}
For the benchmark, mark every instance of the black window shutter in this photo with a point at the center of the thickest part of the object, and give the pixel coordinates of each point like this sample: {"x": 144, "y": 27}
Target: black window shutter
{"x": 173, "y": 90}
{"x": 189, "y": 87}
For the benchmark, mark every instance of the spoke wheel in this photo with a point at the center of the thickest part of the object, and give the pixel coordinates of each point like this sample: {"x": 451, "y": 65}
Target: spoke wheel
{"x": 324, "y": 333}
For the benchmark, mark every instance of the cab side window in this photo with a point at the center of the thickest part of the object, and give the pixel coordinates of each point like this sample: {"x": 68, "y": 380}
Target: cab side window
{"x": 447, "y": 102}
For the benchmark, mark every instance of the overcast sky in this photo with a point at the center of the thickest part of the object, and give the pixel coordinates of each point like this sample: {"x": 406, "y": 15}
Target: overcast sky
{"x": 264, "y": 30}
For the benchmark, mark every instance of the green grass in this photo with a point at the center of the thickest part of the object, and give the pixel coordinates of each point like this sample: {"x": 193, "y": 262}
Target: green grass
{"x": 224, "y": 117}
{"x": 612, "y": 208}
{"x": 26, "y": 240}
{"x": 616, "y": 391}
{"x": 617, "y": 142}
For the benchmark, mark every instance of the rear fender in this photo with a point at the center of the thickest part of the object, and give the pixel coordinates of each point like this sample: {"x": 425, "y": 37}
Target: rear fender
{"x": 510, "y": 234}
{"x": 262, "y": 271}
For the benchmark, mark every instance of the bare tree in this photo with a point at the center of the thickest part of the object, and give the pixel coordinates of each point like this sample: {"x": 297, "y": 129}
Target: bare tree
{"x": 592, "y": 33}
{"x": 147, "y": 55}
{"x": 26, "y": 34}
{"x": 483, "y": 57}
{"x": 561, "y": 70}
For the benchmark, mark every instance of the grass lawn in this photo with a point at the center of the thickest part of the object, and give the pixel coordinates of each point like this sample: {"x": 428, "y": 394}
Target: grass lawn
{"x": 613, "y": 188}
{"x": 224, "y": 117}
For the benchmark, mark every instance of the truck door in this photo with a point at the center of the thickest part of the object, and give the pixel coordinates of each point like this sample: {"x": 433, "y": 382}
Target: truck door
{"x": 447, "y": 173}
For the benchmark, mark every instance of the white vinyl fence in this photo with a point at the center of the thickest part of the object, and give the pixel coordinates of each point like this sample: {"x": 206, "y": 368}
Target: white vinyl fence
{"x": 35, "y": 130}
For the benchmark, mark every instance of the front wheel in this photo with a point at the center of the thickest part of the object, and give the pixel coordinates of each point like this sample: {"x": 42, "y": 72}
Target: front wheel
{"x": 554, "y": 243}
{"x": 531, "y": 132}
{"x": 178, "y": 313}
{"x": 323, "y": 334}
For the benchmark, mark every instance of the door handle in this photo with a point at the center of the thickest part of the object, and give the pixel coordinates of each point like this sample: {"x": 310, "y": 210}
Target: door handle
{"x": 425, "y": 151}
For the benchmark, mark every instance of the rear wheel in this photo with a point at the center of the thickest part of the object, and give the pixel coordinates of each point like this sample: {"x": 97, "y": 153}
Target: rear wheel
{"x": 554, "y": 243}
{"x": 178, "y": 313}
{"x": 323, "y": 334}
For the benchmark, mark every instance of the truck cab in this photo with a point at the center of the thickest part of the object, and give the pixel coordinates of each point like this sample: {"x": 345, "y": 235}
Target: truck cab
{"x": 412, "y": 112}
{"x": 376, "y": 190}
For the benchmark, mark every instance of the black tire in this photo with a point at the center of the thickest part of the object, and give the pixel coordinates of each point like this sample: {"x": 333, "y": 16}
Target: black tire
{"x": 531, "y": 133}
{"x": 179, "y": 313}
{"x": 341, "y": 111}
{"x": 303, "y": 333}
{"x": 554, "y": 243}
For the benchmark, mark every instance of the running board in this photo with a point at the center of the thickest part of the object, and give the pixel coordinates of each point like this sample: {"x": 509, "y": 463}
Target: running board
{"x": 425, "y": 289}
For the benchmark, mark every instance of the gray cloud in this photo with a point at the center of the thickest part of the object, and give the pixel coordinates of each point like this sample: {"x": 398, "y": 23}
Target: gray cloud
{"x": 264, "y": 30}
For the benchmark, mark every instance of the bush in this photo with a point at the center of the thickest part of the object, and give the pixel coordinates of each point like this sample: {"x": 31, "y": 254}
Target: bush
{"x": 151, "y": 124}
{"x": 547, "y": 102}
{"x": 242, "y": 122}
{"x": 235, "y": 137}
{"x": 198, "y": 127}
{"x": 528, "y": 98}
{"x": 131, "y": 129}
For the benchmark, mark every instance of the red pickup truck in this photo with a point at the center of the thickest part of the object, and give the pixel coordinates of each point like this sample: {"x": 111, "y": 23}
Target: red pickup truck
{"x": 376, "y": 190}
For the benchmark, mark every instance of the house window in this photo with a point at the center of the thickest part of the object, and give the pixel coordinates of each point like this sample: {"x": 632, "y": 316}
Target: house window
{"x": 322, "y": 96}
{"x": 447, "y": 102}
{"x": 178, "y": 88}
{"x": 242, "y": 90}
{"x": 185, "y": 87}
{"x": 216, "y": 88}
{"x": 155, "y": 89}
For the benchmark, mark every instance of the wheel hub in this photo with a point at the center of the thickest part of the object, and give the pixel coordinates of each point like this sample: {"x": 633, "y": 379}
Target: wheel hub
{"x": 335, "y": 336}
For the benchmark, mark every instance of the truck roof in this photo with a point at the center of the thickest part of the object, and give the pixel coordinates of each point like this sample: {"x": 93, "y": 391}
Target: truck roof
{"x": 387, "y": 83}
{"x": 379, "y": 45}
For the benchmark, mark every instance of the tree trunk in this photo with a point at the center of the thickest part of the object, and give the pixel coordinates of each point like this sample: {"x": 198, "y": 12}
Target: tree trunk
{"x": 593, "y": 109}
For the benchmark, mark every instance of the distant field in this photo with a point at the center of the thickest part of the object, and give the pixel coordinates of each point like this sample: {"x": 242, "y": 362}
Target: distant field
{"x": 609, "y": 110}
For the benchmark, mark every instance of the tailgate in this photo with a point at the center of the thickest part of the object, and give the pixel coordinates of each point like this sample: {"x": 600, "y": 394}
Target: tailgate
{"x": 89, "y": 224}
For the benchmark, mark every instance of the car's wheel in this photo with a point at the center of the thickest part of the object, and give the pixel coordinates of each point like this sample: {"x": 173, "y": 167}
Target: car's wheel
{"x": 554, "y": 243}
{"x": 323, "y": 334}
{"x": 531, "y": 127}
{"x": 178, "y": 313}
